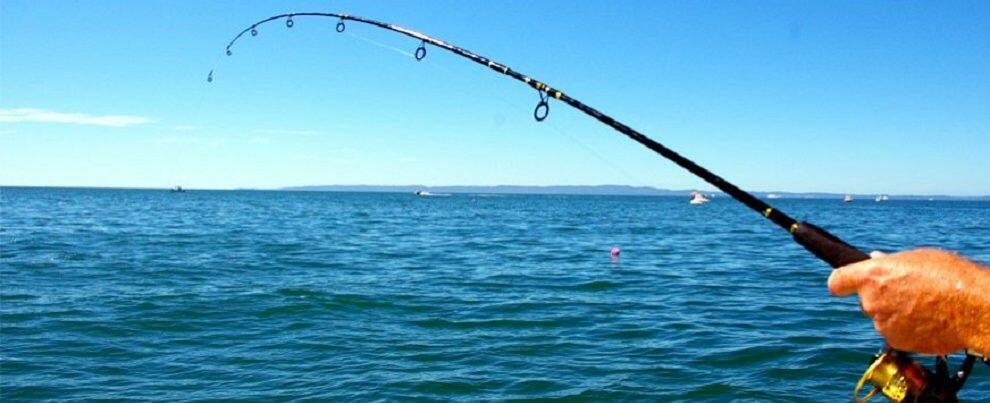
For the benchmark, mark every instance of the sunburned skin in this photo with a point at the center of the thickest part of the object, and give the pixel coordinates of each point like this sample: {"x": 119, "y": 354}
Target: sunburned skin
{"x": 925, "y": 301}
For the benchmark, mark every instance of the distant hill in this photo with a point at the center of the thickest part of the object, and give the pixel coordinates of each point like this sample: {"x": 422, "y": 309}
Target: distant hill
{"x": 616, "y": 190}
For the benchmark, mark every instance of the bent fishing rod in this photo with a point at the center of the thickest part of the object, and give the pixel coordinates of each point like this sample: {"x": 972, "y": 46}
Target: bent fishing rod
{"x": 892, "y": 373}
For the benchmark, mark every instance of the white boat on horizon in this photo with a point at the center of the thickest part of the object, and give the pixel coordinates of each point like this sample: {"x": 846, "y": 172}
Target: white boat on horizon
{"x": 698, "y": 198}
{"x": 848, "y": 199}
{"x": 430, "y": 194}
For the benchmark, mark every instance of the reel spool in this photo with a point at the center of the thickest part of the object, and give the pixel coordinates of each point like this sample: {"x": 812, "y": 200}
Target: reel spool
{"x": 900, "y": 378}
{"x": 895, "y": 376}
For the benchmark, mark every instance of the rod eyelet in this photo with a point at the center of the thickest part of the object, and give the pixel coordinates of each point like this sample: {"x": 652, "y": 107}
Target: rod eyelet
{"x": 254, "y": 32}
{"x": 289, "y": 23}
{"x": 541, "y": 111}
{"x": 421, "y": 51}
{"x": 340, "y": 25}
{"x": 229, "y": 52}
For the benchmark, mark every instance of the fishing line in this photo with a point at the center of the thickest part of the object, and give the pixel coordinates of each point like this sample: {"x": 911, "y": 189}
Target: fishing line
{"x": 381, "y": 45}
{"x": 593, "y": 153}
{"x": 434, "y": 63}
{"x": 885, "y": 369}
{"x": 173, "y": 132}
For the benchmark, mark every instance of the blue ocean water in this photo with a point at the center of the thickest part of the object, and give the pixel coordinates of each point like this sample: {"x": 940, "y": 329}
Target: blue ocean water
{"x": 146, "y": 294}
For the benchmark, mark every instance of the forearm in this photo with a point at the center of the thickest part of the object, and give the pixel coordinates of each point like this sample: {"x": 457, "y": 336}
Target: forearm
{"x": 975, "y": 313}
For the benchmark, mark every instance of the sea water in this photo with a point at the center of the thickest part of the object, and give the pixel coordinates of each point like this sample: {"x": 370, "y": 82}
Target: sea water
{"x": 272, "y": 295}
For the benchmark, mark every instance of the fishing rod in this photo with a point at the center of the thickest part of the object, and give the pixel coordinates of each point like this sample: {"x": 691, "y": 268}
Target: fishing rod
{"x": 892, "y": 373}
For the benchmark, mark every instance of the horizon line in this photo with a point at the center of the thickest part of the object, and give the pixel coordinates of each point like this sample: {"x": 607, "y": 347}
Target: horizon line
{"x": 647, "y": 188}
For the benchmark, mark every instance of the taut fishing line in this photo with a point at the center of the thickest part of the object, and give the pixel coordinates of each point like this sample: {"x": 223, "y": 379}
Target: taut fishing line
{"x": 892, "y": 373}
{"x": 381, "y": 45}
{"x": 433, "y": 63}
{"x": 563, "y": 133}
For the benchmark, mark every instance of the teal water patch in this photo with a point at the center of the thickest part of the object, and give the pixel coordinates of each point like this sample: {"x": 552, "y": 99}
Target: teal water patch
{"x": 149, "y": 295}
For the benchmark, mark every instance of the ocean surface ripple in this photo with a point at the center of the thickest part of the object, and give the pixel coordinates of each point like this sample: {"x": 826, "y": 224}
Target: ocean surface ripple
{"x": 145, "y": 294}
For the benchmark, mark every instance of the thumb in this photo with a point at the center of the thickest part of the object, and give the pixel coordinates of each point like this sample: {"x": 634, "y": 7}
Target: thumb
{"x": 847, "y": 280}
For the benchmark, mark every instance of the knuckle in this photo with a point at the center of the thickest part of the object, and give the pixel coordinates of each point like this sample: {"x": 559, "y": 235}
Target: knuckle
{"x": 876, "y": 271}
{"x": 882, "y": 286}
{"x": 873, "y": 306}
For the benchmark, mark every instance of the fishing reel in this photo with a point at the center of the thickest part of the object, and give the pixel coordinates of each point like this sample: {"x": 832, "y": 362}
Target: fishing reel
{"x": 898, "y": 377}
{"x": 893, "y": 373}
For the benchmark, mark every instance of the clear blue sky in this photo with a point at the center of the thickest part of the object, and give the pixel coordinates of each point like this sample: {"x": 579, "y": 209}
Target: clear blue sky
{"x": 861, "y": 97}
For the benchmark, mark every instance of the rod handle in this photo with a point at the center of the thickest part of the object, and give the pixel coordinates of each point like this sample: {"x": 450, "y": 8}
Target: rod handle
{"x": 827, "y": 247}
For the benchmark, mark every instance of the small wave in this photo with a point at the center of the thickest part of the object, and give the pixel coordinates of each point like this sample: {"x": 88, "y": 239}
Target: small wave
{"x": 632, "y": 334}
{"x": 327, "y": 300}
{"x": 598, "y": 285}
{"x": 299, "y": 293}
{"x": 445, "y": 356}
{"x": 749, "y": 355}
{"x": 536, "y": 386}
{"x": 495, "y": 323}
{"x": 285, "y": 310}
{"x": 591, "y": 286}
{"x": 711, "y": 390}
{"x": 441, "y": 387}
{"x": 19, "y": 297}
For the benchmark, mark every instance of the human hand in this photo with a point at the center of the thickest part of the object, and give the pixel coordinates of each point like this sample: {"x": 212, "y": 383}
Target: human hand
{"x": 925, "y": 300}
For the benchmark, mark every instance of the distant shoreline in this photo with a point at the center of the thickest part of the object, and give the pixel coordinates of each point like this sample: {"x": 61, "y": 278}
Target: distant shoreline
{"x": 602, "y": 190}
{"x": 575, "y": 190}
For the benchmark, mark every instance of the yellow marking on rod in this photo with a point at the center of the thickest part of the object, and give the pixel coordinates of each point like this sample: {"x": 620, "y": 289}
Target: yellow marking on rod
{"x": 794, "y": 227}
{"x": 557, "y": 95}
{"x": 766, "y": 213}
{"x": 538, "y": 84}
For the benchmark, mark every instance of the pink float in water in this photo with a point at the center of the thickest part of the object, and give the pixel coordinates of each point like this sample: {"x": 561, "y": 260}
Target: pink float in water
{"x": 615, "y": 252}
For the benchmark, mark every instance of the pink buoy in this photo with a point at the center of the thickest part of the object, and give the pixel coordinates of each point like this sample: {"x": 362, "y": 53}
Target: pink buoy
{"x": 614, "y": 253}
